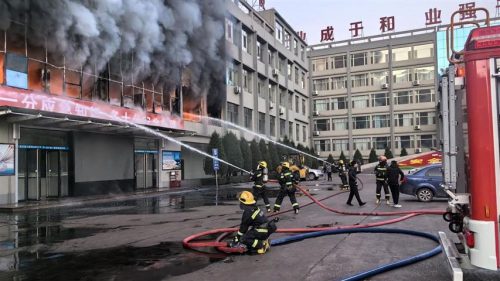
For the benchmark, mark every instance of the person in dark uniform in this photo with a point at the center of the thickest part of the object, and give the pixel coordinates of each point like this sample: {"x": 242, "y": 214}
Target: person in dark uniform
{"x": 259, "y": 186}
{"x": 287, "y": 183}
{"x": 255, "y": 228}
{"x": 381, "y": 180}
{"x": 329, "y": 171}
{"x": 394, "y": 177}
{"x": 353, "y": 184}
{"x": 343, "y": 175}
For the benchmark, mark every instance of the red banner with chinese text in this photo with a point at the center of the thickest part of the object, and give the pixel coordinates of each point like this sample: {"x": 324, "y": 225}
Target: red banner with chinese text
{"x": 40, "y": 102}
{"x": 433, "y": 157}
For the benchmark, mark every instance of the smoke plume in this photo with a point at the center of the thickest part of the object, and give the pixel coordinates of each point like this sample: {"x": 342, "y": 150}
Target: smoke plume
{"x": 162, "y": 36}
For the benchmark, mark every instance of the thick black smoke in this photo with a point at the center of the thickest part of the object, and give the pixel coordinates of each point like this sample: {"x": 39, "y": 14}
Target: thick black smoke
{"x": 162, "y": 36}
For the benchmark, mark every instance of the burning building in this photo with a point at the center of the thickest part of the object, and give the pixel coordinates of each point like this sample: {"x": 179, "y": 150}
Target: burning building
{"x": 73, "y": 73}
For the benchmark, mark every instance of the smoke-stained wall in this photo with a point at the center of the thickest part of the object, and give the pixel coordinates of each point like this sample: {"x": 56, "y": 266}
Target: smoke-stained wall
{"x": 155, "y": 39}
{"x": 103, "y": 163}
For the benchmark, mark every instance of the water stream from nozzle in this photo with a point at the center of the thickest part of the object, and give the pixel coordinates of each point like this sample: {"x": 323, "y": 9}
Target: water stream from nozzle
{"x": 257, "y": 135}
{"x": 151, "y": 131}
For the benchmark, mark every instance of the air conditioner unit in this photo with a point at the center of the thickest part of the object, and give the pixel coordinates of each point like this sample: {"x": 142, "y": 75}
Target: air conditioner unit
{"x": 316, "y": 133}
{"x": 416, "y": 83}
{"x": 315, "y": 93}
{"x": 271, "y": 105}
{"x": 275, "y": 72}
{"x": 417, "y": 127}
{"x": 418, "y": 150}
{"x": 282, "y": 111}
{"x": 316, "y": 113}
{"x": 384, "y": 86}
{"x": 237, "y": 90}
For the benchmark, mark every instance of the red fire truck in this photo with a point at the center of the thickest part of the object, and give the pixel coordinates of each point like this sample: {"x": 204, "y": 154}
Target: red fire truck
{"x": 472, "y": 169}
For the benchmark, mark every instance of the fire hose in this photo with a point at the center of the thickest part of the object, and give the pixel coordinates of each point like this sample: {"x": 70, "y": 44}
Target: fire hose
{"x": 222, "y": 246}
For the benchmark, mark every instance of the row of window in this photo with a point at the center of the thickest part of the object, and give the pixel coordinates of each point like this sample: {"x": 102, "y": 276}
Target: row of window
{"x": 375, "y": 100}
{"x": 376, "y": 121}
{"x": 379, "y": 78}
{"x": 233, "y": 78}
{"x": 367, "y": 143}
{"x": 373, "y": 57}
{"x": 233, "y": 117}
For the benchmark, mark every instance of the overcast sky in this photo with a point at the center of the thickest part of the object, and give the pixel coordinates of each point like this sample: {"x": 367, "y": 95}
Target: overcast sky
{"x": 312, "y": 16}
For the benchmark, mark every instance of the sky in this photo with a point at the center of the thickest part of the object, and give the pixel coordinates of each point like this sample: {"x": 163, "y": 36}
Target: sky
{"x": 311, "y": 16}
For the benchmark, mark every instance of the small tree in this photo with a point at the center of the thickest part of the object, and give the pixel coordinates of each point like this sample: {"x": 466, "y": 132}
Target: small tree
{"x": 233, "y": 152}
{"x": 215, "y": 142}
{"x": 342, "y": 157}
{"x": 246, "y": 153}
{"x": 255, "y": 153}
{"x": 330, "y": 159}
{"x": 274, "y": 157}
{"x": 358, "y": 157}
{"x": 315, "y": 162}
{"x": 373, "y": 156}
{"x": 388, "y": 153}
{"x": 403, "y": 152}
{"x": 264, "y": 151}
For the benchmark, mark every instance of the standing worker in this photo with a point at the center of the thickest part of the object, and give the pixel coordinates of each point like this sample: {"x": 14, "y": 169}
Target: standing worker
{"x": 259, "y": 185}
{"x": 329, "y": 171}
{"x": 394, "y": 177}
{"x": 254, "y": 229}
{"x": 353, "y": 184}
{"x": 287, "y": 187}
{"x": 381, "y": 179}
{"x": 343, "y": 174}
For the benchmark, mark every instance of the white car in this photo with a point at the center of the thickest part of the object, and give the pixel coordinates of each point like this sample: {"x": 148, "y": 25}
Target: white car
{"x": 314, "y": 174}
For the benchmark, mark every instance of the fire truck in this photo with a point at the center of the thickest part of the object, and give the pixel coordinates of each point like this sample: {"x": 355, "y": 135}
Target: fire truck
{"x": 469, "y": 91}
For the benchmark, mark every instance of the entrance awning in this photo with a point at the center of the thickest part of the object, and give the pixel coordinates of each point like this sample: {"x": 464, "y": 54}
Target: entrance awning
{"x": 54, "y": 121}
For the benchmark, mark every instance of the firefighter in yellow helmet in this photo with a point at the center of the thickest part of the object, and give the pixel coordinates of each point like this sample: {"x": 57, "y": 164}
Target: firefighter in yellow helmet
{"x": 255, "y": 228}
{"x": 259, "y": 179}
{"x": 381, "y": 180}
{"x": 343, "y": 174}
{"x": 287, "y": 183}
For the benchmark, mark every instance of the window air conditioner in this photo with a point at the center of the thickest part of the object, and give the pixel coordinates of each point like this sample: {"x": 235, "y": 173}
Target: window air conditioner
{"x": 315, "y": 93}
{"x": 417, "y": 127}
{"x": 282, "y": 111}
{"x": 316, "y": 113}
{"x": 418, "y": 150}
{"x": 316, "y": 133}
{"x": 384, "y": 86}
{"x": 416, "y": 83}
{"x": 237, "y": 90}
{"x": 271, "y": 105}
{"x": 275, "y": 72}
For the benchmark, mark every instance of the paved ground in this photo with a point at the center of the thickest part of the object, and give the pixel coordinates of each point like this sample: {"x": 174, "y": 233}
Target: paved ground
{"x": 140, "y": 240}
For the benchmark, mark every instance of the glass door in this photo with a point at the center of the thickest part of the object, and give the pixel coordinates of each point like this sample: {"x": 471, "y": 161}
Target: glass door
{"x": 140, "y": 181}
{"x": 21, "y": 175}
{"x": 32, "y": 192}
{"x": 63, "y": 173}
{"x": 52, "y": 179}
{"x": 151, "y": 170}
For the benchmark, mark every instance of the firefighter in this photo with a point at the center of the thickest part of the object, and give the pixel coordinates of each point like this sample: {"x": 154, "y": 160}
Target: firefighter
{"x": 255, "y": 228}
{"x": 287, "y": 183}
{"x": 259, "y": 186}
{"x": 381, "y": 179}
{"x": 353, "y": 184}
{"x": 343, "y": 174}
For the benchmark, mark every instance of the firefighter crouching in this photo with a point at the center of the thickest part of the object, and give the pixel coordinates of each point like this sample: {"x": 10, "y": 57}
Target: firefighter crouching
{"x": 255, "y": 228}
{"x": 343, "y": 175}
{"x": 381, "y": 179}
{"x": 287, "y": 183}
{"x": 259, "y": 187}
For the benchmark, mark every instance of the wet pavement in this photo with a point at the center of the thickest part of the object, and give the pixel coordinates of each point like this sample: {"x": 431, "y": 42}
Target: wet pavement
{"x": 140, "y": 239}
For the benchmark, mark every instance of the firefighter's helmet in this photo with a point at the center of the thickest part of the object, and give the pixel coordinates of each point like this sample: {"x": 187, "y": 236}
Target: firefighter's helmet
{"x": 341, "y": 161}
{"x": 263, "y": 164}
{"x": 246, "y": 197}
{"x": 382, "y": 158}
{"x": 285, "y": 165}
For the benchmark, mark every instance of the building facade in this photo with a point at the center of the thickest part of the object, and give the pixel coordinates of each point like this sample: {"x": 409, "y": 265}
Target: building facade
{"x": 375, "y": 92}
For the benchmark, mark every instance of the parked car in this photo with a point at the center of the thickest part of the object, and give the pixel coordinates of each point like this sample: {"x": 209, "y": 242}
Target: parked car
{"x": 314, "y": 174}
{"x": 424, "y": 183}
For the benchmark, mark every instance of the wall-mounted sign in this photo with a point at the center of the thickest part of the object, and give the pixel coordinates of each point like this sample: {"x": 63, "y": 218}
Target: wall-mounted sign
{"x": 7, "y": 159}
{"x": 171, "y": 160}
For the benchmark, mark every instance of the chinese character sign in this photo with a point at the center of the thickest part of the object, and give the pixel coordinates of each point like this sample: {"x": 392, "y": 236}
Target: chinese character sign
{"x": 433, "y": 16}
{"x": 387, "y": 24}
{"x": 327, "y": 34}
{"x": 356, "y": 29}
{"x": 466, "y": 13}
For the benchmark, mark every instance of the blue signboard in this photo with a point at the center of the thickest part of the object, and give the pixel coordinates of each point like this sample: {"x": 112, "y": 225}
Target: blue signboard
{"x": 215, "y": 153}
